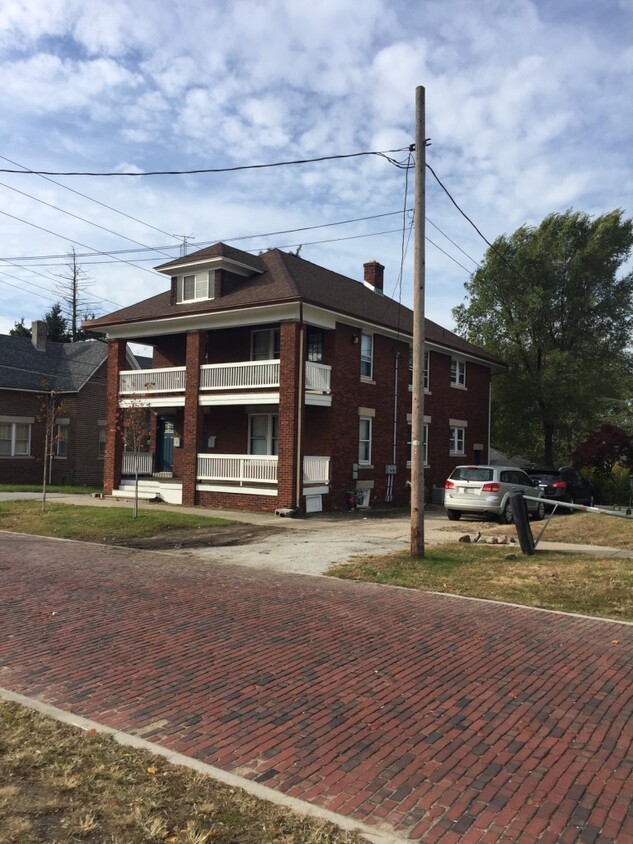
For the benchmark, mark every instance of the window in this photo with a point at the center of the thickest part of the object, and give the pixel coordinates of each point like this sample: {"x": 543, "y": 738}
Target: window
{"x": 60, "y": 443}
{"x": 458, "y": 373}
{"x": 15, "y": 438}
{"x": 425, "y": 375}
{"x": 263, "y": 433}
{"x": 314, "y": 348}
{"x": 102, "y": 442}
{"x": 366, "y": 356}
{"x": 364, "y": 439}
{"x": 198, "y": 286}
{"x": 265, "y": 344}
{"x": 425, "y": 444}
{"x": 457, "y": 439}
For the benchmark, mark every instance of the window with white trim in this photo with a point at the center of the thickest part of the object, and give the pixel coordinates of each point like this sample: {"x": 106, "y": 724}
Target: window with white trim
{"x": 196, "y": 286}
{"x": 101, "y": 448}
{"x": 457, "y": 439}
{"x": 366, "y": 356}
{"x": 265, "y": 344}
{"x": 15, "y": 439}
{"x": 458, "y": 373}
{"x": 364, "y": 439}
{"x": 425, "y": 444}
{"x": 263, "y": 433}
{"x": 425, "y": 376}
{"x": 60, "y": 442}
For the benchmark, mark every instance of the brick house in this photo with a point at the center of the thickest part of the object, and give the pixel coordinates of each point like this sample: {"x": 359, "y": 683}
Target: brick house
{"x": 76, "y": 373}
{"x": 279, "y": 383}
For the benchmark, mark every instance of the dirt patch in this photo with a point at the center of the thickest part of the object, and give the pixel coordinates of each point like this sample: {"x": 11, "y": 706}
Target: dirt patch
{"x": 217, "y": 536}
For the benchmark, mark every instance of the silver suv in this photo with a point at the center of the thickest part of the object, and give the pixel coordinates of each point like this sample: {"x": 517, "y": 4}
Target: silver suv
{"x": 485, "y": 491}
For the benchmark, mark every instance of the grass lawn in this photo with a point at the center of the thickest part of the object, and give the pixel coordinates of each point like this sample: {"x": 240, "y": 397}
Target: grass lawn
{"x": 93, "y": 524}
{"x": 60, "y": 784}
{"x": 571, "y": 583}
{"x": 588, "y": 529}
{"x": 69, "y": 490}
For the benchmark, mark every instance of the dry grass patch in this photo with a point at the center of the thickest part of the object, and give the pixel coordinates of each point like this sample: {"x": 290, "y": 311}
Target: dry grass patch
{"x": 59, "y": 784}
{"x": 570, "y": 583}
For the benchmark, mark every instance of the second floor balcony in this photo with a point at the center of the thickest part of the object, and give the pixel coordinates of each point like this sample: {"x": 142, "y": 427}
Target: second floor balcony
{"x": 221, "y": 383}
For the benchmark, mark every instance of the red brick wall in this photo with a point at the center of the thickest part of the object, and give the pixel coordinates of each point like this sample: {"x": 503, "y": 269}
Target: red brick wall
{"x": 289, "y": 414}
{"x": 170, "y": 351}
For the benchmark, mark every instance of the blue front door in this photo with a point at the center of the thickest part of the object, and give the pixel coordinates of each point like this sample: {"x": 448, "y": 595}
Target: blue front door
{"x": 165, "y": 444}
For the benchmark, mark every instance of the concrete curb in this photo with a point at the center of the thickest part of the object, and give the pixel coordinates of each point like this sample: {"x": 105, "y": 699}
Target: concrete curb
{"x": 372, "y": 834}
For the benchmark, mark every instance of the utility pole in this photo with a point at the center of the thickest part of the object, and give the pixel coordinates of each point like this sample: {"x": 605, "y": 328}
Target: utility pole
{"x": 417, "y": 433}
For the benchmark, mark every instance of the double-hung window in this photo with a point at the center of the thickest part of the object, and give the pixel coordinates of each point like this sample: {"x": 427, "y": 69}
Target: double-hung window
{"x": 366, "y": 356}
{"x": 60, "y": 441}
{"x": 458, "y": 373}
{"x": 263, "y": 433}
{"x": 457, "y": 439}
{"x": 196, "y": 286}
{"x": 425, "y": 443}
{"x": 101, "y": 448}
{"x": 265, "y": 344}
{"x": 364, "y": 439}
{"x": 425, "y": 376}
{"x": 15, "y": 437}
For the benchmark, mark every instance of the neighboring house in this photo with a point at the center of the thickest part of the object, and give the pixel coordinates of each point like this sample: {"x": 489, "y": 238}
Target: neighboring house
{"x": 279, "y": 383}
{"x": 76, "y": 374}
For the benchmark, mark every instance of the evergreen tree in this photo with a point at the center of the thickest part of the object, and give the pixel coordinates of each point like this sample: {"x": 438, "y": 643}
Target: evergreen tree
{"x": 20, "y": 329}
{"x": 56, "y": 325}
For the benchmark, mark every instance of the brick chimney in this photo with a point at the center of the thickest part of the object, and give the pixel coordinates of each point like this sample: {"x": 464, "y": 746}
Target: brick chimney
{"x": 38, "y": 335}
{"x": 374, "y": 275}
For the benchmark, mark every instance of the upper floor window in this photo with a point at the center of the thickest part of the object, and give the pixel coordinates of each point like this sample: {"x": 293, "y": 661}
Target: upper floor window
{"x": 425, "y": 377}
{"x": 366, "y": 356}
{"x": 458, "y": 373}
{"x": 265, "y": 344}
{"x": 457, "y": 439}
{"x": 196, "y": 286}
{"x": 314, "y": 347}
{"x": 15, "y": 438}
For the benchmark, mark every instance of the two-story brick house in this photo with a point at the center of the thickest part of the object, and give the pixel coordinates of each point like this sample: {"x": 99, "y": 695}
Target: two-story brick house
{"x": 279, "y": 383}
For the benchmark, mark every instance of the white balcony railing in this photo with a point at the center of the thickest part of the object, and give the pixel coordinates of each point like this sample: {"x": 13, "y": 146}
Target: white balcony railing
{"x": 139, "y": 381}
{"x": 239, "y": 468}
{"x": 143, "y": 460}
{"x": 316, "y": 470}
{"x": 246, "y": 375}
{"x": 318, "y": 377}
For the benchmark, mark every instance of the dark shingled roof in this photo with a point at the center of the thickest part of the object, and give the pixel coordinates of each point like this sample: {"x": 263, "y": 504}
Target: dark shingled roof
{"x": 285, "y": 277}
{"x": 64, "y": 367}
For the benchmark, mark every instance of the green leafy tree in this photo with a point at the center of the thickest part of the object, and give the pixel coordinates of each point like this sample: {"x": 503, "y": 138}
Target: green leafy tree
{"x": 20, "y": 329}
{"x": 56, "y": 325}
{"x": 553, "y": 303}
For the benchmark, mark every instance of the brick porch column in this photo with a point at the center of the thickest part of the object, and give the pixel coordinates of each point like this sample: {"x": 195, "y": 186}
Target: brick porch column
{"x": 192, "y": 424}
{"x": 113, "y": 460}
{"x": 289, "y": 414}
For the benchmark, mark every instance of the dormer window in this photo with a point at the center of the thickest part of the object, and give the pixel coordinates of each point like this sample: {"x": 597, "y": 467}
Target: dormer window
{"x": 196, "y": 286}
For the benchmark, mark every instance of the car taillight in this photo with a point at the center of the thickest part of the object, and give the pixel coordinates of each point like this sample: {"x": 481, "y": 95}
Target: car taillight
{"x": 559, "y": 485}
{"x": 494, "y": 487}
{"x": 449, "y": 485}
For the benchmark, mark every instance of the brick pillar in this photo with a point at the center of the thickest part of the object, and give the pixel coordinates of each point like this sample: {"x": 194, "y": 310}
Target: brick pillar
{"x": 289, "y": 460}
{"x": 192, "y": 424}
{"x": 114, "y": 440}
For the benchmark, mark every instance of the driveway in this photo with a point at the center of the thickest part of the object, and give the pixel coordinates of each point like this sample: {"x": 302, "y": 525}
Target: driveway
{"x": 445, "y": 719}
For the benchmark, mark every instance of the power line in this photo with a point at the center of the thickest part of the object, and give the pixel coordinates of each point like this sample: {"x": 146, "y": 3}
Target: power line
{"x": 381, "y": 153}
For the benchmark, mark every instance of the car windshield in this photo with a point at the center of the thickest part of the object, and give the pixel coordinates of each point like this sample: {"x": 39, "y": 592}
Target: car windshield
{"x": 471, "y": 473}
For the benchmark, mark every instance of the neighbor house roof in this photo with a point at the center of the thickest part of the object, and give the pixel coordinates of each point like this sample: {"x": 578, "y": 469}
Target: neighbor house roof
{"x": 64, "y": 367}
{"x": 280, "y": 277}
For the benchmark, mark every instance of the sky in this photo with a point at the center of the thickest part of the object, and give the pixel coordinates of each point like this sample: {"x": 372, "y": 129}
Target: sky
{"x": 528, "y": 112}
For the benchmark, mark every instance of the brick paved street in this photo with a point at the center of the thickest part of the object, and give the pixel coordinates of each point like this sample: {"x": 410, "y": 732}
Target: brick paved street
{"x": 449, "y": 720}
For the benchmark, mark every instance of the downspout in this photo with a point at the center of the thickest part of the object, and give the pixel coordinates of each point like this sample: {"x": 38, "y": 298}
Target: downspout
{"x": 300, "y": 406}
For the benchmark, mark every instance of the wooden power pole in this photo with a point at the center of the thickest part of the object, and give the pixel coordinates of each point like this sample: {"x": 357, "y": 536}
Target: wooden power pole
{"x": 417, "y": 433}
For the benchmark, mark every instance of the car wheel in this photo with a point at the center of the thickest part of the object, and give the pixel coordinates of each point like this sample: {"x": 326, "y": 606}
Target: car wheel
{"x": 590, "y": 503}
{"x": 572, "y": 500}
{"x": 453, "y": 515}
{"x": 506, "y": 516}
{"x": 539, "y": 513}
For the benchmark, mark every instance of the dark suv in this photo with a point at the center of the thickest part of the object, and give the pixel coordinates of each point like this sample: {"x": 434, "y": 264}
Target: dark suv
{"x": 564, "y": 484}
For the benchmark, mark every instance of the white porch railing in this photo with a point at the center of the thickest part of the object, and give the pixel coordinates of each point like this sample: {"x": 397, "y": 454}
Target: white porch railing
{"x": 318, "y": 377}
{"x": 316, "y": 470}
{"x": 239, "y": 376}
{"x": 243, "y": 375}
{"x": 239, "y": 468}
{"x": 168, "y": 380}
{"x": 142, "y": 459}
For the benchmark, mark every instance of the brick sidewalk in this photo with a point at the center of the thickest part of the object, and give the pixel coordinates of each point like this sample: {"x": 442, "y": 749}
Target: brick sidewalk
{"x": 449, "y": 720}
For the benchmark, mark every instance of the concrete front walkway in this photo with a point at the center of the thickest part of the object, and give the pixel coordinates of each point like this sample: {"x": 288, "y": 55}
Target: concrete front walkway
{"x": 447, "y": 719}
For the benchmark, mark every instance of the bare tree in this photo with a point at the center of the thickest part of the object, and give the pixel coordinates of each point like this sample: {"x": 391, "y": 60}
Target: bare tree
{"x": 72, "y": 289}
{"x": 51, "y": 409}
{"x": 135, "y": 431}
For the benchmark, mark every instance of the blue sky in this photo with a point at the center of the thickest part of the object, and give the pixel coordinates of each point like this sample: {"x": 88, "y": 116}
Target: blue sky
{"x": 528, "y": 112}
